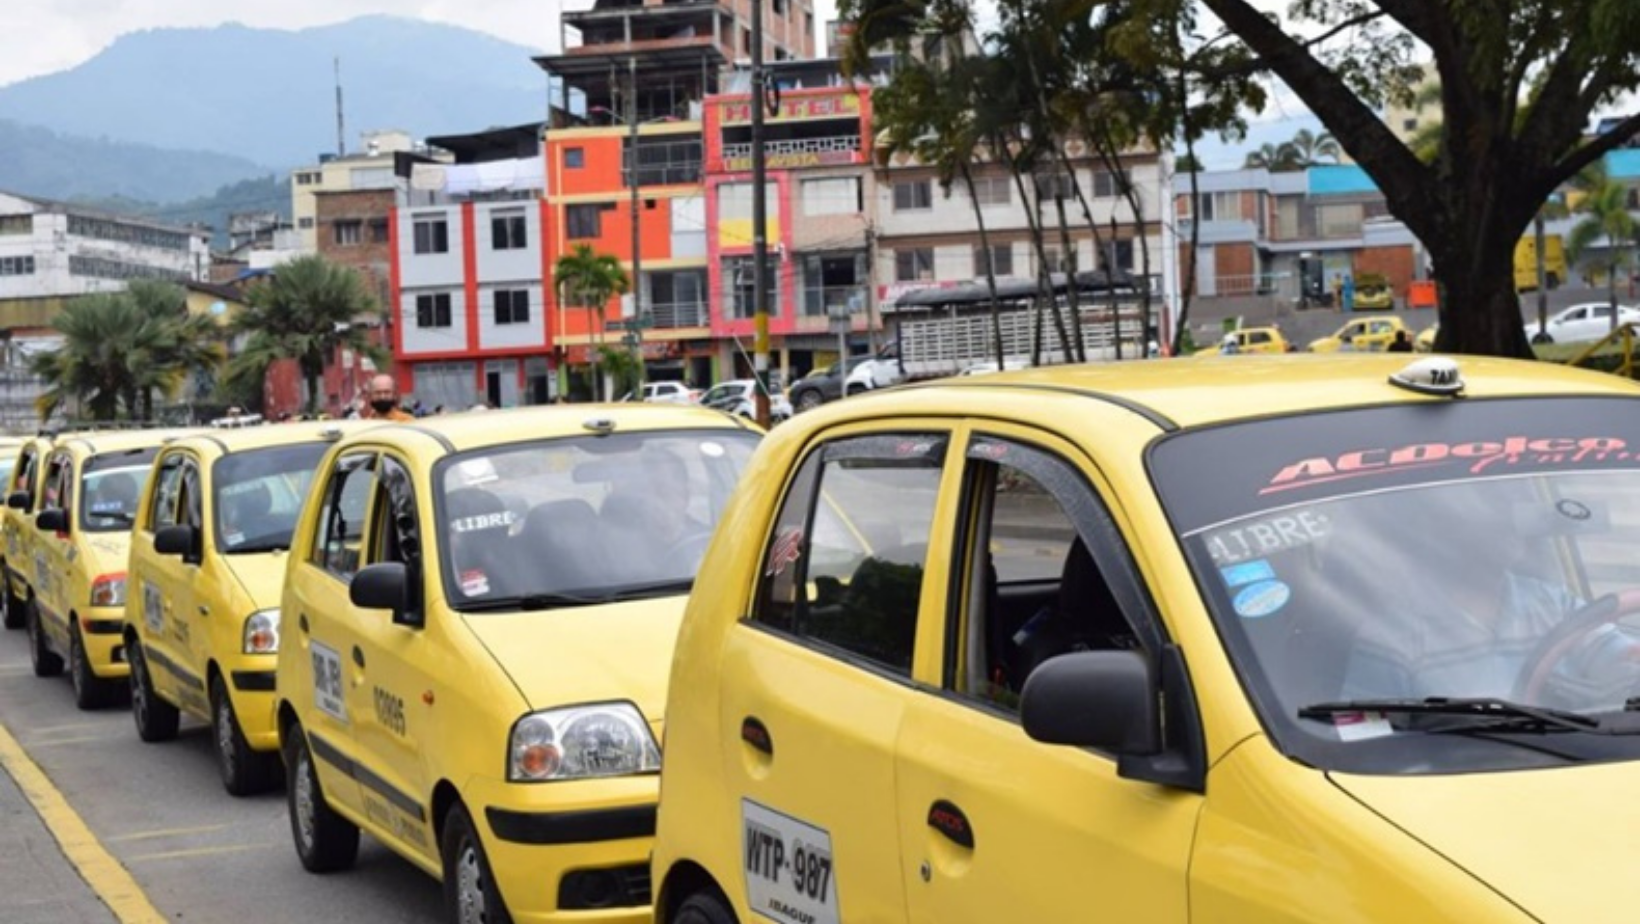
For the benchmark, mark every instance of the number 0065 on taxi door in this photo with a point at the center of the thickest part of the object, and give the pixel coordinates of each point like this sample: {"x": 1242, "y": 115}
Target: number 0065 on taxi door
{"x": 788, "y": 868}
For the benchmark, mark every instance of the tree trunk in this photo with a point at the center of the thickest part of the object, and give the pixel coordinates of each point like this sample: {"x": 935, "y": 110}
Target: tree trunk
{"x": 1480, "y": 312}
{"x": 990, "y": 267}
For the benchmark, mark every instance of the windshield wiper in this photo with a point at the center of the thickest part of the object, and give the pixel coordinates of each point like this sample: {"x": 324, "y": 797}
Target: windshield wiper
{"x": 530, "y": 603}
{"x": 665, "y": 588}
{"x": 1493, "y": 714}
{"x": 268, "y": 545}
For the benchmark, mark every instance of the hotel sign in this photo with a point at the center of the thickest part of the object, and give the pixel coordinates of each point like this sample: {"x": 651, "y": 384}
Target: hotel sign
{"x": 794, "y": 109}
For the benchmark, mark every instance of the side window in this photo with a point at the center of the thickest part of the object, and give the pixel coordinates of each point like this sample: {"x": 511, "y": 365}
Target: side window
{"x": 52, "y": 488}
{"x": 163, "y": 510}
{"x": 190, "y": 506}
{"x": 23, "y": 478}
{"x": 396, "y": 534}
{"x": 337, "y": 545}
{"x": 844, "y": 567}
{"x": 1035, "y": 587}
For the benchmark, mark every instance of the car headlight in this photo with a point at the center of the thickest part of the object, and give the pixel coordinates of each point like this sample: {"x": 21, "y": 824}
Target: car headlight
{"x": 108, "y": 590}
{"x": 581, "y": 742}
{"x": 262, "y": 632}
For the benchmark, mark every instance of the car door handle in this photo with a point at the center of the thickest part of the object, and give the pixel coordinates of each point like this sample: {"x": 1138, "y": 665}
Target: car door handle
{"x": 950, "y": 821}
{"x": 358, "y": 656}
{"x": 301, "y": 623}
{"x": 756, "y": 734}
{"x": 204, "y": 610}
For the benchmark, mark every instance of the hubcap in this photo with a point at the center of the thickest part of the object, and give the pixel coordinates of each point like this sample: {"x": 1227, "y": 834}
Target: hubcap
{"x": 469, "y": 886}
{"x": 302, "y": 793}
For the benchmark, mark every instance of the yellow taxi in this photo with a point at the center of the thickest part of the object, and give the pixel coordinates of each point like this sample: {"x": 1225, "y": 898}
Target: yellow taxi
{"x": 1254, "y": 340}
{"x": 477, "y": 621}
{"x": 17, "y": 523}
{"x": 1425, "y": 341}
{"x": 207, "y": 566}
{"x": 1299, "y": 640}
{"x": 81, "y": 539}
{"x": 1364, "y": 335}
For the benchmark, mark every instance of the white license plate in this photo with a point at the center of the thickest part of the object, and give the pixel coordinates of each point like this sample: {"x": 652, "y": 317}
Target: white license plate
{"x": 789, "y": 873}
{"x": 327, "y": 680}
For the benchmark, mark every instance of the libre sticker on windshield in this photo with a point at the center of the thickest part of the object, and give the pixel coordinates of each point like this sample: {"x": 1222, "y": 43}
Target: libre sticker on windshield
{"x": 1247, "y": 573}
{"x": 1267, "y": 536}
{"x": 483, "y": 521}
{"x": 1262, "y": 599}
{"x": 788, "y": 867}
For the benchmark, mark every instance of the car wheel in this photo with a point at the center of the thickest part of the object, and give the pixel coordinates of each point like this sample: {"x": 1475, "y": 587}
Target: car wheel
{"x": 807, "y": 400}
{"x": 47, "y": 663}
{"x": 1542, "y": 337}
{"x": 156, "y": 719}
{"x": 14, "y": 612}
{"x": 325, "y": 841}
{"x": 470, "y": 893}
{"x": 244, "y": 771}
{"x": 90, "y": 691}
{"x": 703, "y": 908}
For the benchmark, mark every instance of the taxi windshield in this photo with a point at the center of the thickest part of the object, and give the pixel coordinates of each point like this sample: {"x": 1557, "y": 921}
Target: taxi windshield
{"x": 584, "y": 520}
{"x": 1411, "y": 590}
{"x": 257, "y": 495}
{"x": 112, "y": 484}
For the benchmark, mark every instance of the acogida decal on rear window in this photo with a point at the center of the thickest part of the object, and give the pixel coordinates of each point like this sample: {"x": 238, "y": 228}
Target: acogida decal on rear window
{"x": 1477, "y": 457}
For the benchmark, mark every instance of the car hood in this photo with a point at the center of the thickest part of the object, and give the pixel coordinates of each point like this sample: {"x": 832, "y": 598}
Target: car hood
{"x": 106, "y": 553}
{"x": 261, "y": 574}
{"x": 1559, "y": 843}
{"x": 588, "y": 654}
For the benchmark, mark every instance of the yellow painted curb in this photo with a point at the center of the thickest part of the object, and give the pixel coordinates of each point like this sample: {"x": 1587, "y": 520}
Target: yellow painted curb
{"x": 112, "y": 883}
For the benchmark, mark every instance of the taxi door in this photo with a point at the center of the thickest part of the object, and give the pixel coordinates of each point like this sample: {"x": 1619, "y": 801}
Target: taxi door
{"x": 389, "y": 666}
{"x": 24, "y": 478}
{"x": 815, "y": 681}
{"x": 176, "y": 642}
{"x": 155, "y": 578}
{"x": 319, "y": 619}
{"x": 994, "y": 826}
{"x": 53, "y": 552}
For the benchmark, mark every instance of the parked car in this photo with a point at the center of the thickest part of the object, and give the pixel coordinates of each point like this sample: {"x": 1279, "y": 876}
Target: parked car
{"x": 1364, "y": 335}
{"x": 738, "y": 396}
{"x": 664, "y": 393}
{"x": 1585, "y": 321}
{"x": 876, "y": 372}
{"x": 1252, "y": 340}
{"x": 17, "y": 522}
{"x": 1185, "y": 642}
{"x": 1373, "y": 293}
{"x": 823, "y": 385}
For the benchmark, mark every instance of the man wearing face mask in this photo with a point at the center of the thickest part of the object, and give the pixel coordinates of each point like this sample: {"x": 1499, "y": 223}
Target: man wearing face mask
{"x": 383, "y": 398}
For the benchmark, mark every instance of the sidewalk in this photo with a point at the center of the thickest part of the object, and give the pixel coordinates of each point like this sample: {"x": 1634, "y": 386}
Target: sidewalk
{"x": 37, "y": 883}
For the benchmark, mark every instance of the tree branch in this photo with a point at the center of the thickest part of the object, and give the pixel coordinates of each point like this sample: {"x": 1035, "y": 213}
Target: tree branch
{"x": 1572, "y": 164}
{"x": 1557, "y": 115}
{"x": 1247, "y": 68}
{"x": 1413, "y": 15}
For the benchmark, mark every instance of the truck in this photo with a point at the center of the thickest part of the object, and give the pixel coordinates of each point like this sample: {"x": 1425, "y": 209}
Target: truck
{"x": 945, "y": 331}
{"x": 1526, "y": 260}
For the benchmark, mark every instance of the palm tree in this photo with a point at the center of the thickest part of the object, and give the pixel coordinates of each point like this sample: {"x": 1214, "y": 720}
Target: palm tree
{"x": 1312, "y": 149}
{"x": 170, "y": 345}
{"x": 590, "y": 280}
{"x": 1277, "y": 158}
{"x": 1607, "y": 217}
{"x": 308, "y": 310}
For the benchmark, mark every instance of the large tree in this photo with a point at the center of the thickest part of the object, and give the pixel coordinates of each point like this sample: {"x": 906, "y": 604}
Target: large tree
{"x": 308, "y": 310}
{"x": 1519, "y": 80}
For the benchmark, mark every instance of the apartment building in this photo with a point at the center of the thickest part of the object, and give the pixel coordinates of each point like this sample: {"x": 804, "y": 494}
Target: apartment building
{"x": 374, "y": 167}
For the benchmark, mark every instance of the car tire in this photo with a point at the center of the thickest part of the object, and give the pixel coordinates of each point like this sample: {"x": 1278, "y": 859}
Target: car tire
{"x": 470, "y": 892}
{"x": 47, "y": 663}
{"x": 245, "y": 771}
{"x": 856, "y": 389}
{"x": 90, "y": 691}
{"x": 325, "y": 841}
{"x": 157, "y": 720}
{"x": 807, "y": 400}
{"x": 1542, "y": 337}
{"x": 15, "y": 614}
{"x": 705, "y": 907}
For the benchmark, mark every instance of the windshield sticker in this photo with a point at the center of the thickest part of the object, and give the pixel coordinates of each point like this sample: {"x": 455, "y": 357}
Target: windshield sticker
{"x": 1267, "y": 536}
{"x": 1247, "y": 573}
{"x": 475, "y": 583}
{"x": 786, "y": 549}
{"x": 1478, "y": 457}
{"x": 233, "y": 538}
{"x": 483, "y": 521}
{"x": 1359, "y": 726}
{"x": 108, "y": 506}
{"x": 712, "y": 450}
{"x": 1264, "y": 598}
{"x": 476, "y": 471}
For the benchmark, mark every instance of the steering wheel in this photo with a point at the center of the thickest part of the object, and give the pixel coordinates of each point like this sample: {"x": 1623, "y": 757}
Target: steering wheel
{"x": 1564, "y": 639}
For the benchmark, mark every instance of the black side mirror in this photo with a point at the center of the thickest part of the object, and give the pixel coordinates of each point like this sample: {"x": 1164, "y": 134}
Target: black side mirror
{"x": 52, "y": 519}
{"x": 386, "y": 586}
{"x": 178, "y": 540}
{"x": 1094, "y": 699}
{"x": 17, "y": 500}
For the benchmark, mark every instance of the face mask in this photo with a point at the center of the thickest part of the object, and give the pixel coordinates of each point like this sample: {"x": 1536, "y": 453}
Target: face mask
{"x": 383, "y": 405}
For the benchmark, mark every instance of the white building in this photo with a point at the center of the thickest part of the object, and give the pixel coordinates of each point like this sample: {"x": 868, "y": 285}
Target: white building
{"x": 371, "y": 168}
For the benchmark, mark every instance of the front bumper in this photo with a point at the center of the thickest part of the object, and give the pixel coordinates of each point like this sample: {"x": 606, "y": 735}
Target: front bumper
{"x": 101, "y": 629}
{"x": 251, "y": 687}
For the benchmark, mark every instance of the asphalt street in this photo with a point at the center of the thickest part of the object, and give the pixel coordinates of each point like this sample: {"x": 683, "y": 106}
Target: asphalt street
{"x": 196, "y": 853}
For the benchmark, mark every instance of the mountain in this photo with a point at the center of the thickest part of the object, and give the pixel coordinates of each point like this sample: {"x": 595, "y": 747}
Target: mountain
{"x": 36, "y": 161}
{"x": 266, "y": 193}
{"x": 269, "y": 96}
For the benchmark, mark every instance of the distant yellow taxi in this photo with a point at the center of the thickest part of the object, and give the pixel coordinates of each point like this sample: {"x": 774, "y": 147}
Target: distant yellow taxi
{"x": 1300, "y": 639}
{"x": 81, "y": 539}
{"x": 26, "y": 471}
{"x": 1255, "y": 340}
{"x": 477, "y": 621}
{"x": 1363, "y": 335}
{"x": 207, "y": 566}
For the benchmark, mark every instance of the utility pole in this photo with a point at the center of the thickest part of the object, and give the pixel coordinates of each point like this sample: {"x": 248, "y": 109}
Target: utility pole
{"x": 634, "y": 332}
{"x": 341, "y": 136}
{"x": 871, "y": 288}
{"x": 760, "y": 244}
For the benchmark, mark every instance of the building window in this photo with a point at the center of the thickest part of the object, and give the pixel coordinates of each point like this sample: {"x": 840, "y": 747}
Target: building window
{"x": 1053, "y": 260}
{"x": 913, "y": 194}
{"x": 584, "y": 221}
{"x": 915, "y": 264}
{"x": 575, "y": 158}
{"x": 833, "y": 196}
{"x": 746, "y": 40}
{"x": 306, "y": 224}
{"x": 507, "y": 231}
{"x": 1108, "y": 185}
{"x": 11, "y": 225}
{"x": 433, "y": 310}
{"x": 104, "y": 268}
{"x": 1409, "y": 125}
{"x": 349, "y": 233}
{"x": 432, "y": 235}
{"x": 512, "y": 306}
{"x": 378, "y": 231}
{"x": 16, "y": 266}
{"x": 1001, "y": 260}
{"x": 126, "y": 233}
{"x": 1055, "y": 186}
{"x": 993, "y": 190}
{"x": 308, "y": 178}
{"x": 739, "y": 288}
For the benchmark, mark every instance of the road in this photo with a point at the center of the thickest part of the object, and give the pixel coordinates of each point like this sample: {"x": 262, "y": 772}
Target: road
{"x": 197, "y": 853}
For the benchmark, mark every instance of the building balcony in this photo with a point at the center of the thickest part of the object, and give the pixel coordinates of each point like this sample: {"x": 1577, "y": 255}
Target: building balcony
{"x": 673, "y": 315}
{"x": 826, "y": 301}
{"x": 799, "y": 151}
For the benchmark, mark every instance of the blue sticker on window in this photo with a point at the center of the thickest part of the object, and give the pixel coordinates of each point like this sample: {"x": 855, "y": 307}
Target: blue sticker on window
{"x": 1262, "y": 599}
{"x": 1247, "y": 572}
